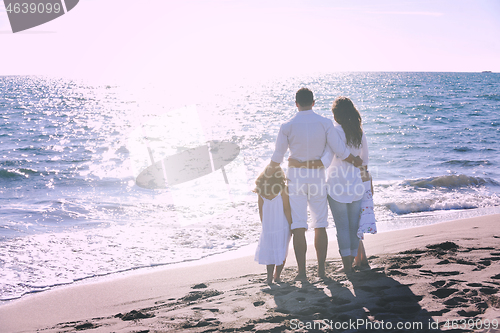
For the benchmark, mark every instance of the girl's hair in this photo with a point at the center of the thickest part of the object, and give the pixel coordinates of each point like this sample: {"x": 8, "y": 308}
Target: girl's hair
{"x": 346, "y": 114}
{"x": 270, "y": 184}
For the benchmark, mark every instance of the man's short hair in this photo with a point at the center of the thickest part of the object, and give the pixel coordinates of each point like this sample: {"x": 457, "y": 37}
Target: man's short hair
{"x": 304, "y": 97}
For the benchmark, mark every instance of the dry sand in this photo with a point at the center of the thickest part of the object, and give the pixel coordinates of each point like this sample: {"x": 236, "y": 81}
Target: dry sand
{"x": 432, "y": 278}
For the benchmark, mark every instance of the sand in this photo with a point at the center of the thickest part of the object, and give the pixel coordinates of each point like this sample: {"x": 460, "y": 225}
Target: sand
{"x": 442, "y": 277}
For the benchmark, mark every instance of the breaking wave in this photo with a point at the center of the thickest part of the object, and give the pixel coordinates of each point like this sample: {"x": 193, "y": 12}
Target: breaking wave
{"x": 450, "y": 181}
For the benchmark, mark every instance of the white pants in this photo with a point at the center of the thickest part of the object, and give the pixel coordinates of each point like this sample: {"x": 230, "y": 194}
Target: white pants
{"x": 307, "y": 187}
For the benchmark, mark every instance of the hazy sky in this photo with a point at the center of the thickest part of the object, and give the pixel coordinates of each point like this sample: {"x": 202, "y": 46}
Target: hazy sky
{"x": 231, "y": 38}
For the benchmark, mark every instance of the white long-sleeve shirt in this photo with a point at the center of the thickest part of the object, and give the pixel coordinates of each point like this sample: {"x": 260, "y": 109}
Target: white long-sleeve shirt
{"x": 307, "y": 135}
{"x": 344, "y": 183}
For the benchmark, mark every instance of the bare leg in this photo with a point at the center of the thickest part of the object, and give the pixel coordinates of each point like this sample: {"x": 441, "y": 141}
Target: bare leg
{"x": 321, "y": 244}
{"x": 357, "y": 259}
{"x": 300, "y": 248}
{"x": 347, "y": 262}
{"x": 277, "y": 273}
{"x": 270, "y": 270}
{"x": 361, "y": 259}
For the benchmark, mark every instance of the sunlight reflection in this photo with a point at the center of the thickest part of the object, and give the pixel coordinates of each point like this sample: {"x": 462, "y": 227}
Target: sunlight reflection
{"x": 172, "y": 133}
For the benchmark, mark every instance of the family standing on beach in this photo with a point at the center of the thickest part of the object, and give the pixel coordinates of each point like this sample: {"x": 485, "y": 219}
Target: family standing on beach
{"x": 316, "y": 145}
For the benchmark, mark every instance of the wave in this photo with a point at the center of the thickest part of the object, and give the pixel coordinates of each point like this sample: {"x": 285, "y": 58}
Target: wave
{"x": 450, "y": 192}
{"x": 491, "y": 97}
{"x": 462, "y": 149}
{"x": 467, "y": 163}
{"x": 450, "y": 181}
{"x": 426, "y": 206}
{"x": 16, "y": 173}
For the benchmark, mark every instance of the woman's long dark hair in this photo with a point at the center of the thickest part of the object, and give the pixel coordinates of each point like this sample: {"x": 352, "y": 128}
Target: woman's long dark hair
{"x": 346, "y": 114}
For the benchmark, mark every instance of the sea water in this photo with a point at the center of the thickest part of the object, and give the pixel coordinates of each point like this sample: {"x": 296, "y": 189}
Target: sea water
{"x": 70, "y": 153}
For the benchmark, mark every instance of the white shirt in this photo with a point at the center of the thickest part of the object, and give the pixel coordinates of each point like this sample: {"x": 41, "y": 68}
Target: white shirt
{"x": 307, "y": 135}
{"x": 344, "y": 183}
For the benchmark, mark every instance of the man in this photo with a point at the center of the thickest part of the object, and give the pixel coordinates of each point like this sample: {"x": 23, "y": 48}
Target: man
{"x": 306, "y": 135}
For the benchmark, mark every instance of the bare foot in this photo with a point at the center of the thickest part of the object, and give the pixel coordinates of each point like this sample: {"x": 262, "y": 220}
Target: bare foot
{"x": 301, "y": 277}
{"x": 269, "y": 281}
{"x": 364, "y": 267}
{"x": 346, "y": 270}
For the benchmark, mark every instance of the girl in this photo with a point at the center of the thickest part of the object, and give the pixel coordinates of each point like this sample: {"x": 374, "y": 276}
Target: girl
{"x": 366, "y": 221}
{"x": 276, "y": 218}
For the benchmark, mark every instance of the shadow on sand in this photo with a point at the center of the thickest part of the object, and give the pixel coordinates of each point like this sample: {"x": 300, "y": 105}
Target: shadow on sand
{"x": 366, "y": 301}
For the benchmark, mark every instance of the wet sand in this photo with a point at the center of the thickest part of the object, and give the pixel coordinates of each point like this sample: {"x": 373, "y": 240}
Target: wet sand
{"x": 432, "y": 278}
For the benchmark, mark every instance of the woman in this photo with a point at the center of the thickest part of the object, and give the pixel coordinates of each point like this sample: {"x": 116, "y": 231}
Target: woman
{"x": 344, "y": 182}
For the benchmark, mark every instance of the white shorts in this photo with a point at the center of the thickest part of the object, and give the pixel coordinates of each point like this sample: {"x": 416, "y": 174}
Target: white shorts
{"x": 308, "y": 191}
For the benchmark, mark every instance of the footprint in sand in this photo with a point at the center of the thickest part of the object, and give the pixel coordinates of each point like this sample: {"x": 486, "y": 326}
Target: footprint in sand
{"x": 469, "y": 312}
{"x": 485, "y": 262}
{"x": 199, "y": 286}
{"x": 488, "y": 290}
{"x": 85, "y": 326}
{"x": 429, "y": 272}
{"x": 443, "y": 262}
{"x": 438, "y": 284}
{"x": 396, "y": 272}
{"x": 444, "y": 292}
{"x": 446, "y": 246}
{"x": 195, "y": 295}
{"x": 464, "y": 262}
{"x": 491, "y": 259}
{"x": 414, "y": 251}
{"x": 133, "y": 315}
{"x": 455, "y": 301}
{"x": 411, "y": 266}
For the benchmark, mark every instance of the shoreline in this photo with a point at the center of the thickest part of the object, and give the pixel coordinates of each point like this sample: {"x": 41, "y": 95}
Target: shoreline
{"x": 153, "y": 288}
{"x": 249, "y": 250}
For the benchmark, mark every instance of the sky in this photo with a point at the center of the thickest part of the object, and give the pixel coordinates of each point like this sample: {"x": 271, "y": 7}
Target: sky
{"x": 230, "y": 39}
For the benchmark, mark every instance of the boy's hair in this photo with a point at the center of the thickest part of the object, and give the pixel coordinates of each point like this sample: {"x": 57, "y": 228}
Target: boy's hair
{"x": 270, "y": 184}
{"x": 304, "y": 97}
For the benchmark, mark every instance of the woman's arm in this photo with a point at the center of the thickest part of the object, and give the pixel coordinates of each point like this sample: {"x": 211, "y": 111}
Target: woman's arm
{"x": 261, "y": 203}
{"x": 286, "y": 205}
{"x": 365, "y": 175}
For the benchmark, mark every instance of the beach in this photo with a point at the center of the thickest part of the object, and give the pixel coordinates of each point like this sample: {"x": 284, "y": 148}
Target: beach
{"x": 130, "y": 149}
{"x": 443, "y": 276}
{"x": 71, "y": 208}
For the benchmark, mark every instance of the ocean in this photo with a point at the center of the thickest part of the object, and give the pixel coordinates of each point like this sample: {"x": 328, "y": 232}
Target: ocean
{"x": 71, "y": 152}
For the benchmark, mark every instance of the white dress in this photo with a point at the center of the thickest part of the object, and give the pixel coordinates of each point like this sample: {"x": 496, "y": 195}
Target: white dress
{"x": 275, "y": 235}
{"x": 367, "y": 221}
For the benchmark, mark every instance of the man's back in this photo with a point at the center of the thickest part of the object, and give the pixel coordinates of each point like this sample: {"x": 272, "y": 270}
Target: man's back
{"x": 305, "y": 135}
